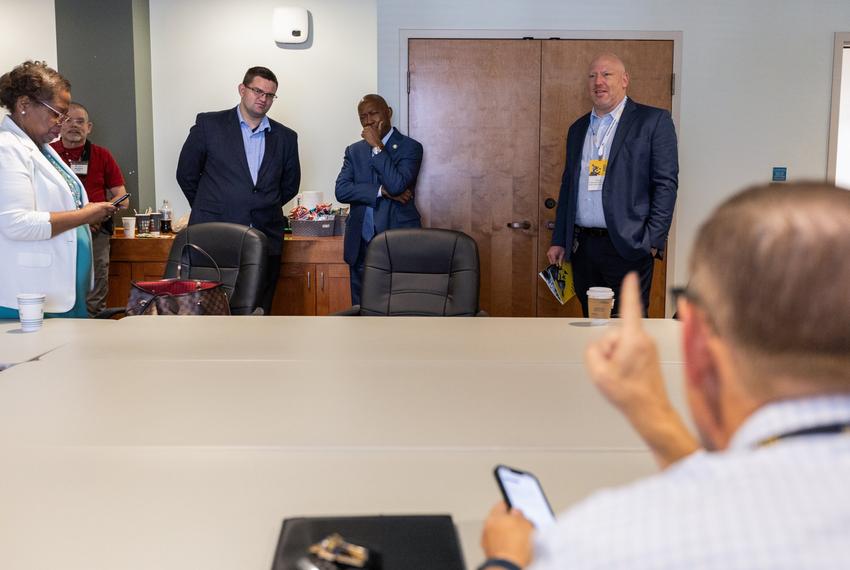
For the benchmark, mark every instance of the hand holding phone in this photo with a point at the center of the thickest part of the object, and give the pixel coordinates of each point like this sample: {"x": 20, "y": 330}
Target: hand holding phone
{"x": 120, "y": 199}
{"x": 522, "y": 491}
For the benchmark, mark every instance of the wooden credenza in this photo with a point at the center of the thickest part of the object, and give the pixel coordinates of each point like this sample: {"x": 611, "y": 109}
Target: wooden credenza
{"x": 313, "y": 277}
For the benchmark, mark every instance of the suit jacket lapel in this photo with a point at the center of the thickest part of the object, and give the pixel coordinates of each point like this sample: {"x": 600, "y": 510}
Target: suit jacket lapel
{"x": 393, "y": 142}
{"x": 40, "y": 161}
{"x": 574, "y": 157}
{"x": 271, "y": 150}
{"x": 626, "y": 121}
{"x": 235, "y": 129}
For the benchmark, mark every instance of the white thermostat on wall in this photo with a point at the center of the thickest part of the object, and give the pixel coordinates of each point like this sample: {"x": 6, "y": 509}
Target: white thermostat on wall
{"x": 291, "y": 25}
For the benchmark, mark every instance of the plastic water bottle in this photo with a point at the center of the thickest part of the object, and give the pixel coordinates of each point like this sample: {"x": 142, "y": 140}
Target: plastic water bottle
{"x": 165, "y": 224}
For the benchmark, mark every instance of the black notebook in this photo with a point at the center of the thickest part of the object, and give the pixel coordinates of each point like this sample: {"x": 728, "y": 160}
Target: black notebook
{"x": 414, "y": 542}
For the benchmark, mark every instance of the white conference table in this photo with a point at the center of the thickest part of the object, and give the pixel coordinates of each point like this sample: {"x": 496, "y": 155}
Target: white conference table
{"x": 195, "y": 461}
{"x": 17, "y": 346}
{"x": 364, "y": 339}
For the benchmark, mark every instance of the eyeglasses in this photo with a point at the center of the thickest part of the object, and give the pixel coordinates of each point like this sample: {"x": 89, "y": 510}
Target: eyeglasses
{"x": 261, "y": 93}
{"x": 686, "y": 294}
{"x": 60, "y": 118}
{"x": 694, "y": 299}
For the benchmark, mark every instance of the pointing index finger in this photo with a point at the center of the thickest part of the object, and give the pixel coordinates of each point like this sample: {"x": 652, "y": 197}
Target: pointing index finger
{"x": 630, "y": 304}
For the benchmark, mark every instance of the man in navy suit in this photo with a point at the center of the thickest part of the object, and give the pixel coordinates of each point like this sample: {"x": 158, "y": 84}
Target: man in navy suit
{"x": 240, "y": 166}
{"x": 618, "y": 189}
{"x": 377, "y": 179}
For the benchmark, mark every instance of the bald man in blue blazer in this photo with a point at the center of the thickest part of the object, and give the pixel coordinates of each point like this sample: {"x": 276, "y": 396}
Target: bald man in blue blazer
{"x": 377, "y": 180}
{"x": 619, "y": 187}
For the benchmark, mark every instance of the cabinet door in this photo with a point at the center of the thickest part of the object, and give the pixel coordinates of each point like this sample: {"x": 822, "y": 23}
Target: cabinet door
{"x": 334, "y": 291}
{"x": 296, "y": 290}
{"x": 148, "y": 270}
{"x": 119, "y": 283}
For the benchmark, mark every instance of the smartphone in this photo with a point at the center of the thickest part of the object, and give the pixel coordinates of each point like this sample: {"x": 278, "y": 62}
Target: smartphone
{"x": 120, "y": 199}
{"x": 522, "y": 491}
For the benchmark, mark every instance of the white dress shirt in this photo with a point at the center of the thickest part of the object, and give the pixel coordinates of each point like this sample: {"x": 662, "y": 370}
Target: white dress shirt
{"x": 785, "y": 505}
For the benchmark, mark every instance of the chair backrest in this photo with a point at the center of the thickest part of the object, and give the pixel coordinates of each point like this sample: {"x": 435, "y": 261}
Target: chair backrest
{"x": 420, "y": 272}
{"x": 239, "y": 251}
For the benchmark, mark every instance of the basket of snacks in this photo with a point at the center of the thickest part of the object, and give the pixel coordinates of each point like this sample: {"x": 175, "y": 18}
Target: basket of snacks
{"x": 318, "y": 222}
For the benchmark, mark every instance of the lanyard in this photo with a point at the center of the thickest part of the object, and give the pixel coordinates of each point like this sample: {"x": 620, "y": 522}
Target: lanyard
{"x": 828, "y": 429}
{"x": 611, "y": 128}
{"x": 73, "y": 185}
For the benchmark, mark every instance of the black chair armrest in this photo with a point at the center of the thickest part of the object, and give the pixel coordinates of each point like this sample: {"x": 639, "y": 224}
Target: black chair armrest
{"x": 110, "y": 312}
{"x": 353, "y": 311}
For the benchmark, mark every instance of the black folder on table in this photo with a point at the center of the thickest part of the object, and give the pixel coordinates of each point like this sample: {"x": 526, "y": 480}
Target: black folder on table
{"x": 414, "y": 542}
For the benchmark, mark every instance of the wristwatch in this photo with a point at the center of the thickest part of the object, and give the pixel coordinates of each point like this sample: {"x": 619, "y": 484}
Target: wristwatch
{"x": 499, "y": 563}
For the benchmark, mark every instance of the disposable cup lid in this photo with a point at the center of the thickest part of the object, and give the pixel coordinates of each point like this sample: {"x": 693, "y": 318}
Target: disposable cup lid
{"x": 31, "y": 296}
{"x": 600, "y": 293}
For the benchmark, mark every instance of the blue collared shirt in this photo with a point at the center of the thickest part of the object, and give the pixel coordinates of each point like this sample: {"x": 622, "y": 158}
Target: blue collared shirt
{"x": 589, "y": 211}
{"x": 255, "y": 143}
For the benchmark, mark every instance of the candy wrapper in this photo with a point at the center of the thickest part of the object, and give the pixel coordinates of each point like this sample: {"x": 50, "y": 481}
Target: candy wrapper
{"x": 320, "y": 212}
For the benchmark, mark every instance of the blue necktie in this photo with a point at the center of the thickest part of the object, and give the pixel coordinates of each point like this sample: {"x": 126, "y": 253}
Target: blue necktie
{"x": 368, "y": 231}
{"x": 368, "y": 224}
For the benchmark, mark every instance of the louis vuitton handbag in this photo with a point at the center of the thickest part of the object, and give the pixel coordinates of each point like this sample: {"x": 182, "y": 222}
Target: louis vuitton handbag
{"x": 179, "y": 296}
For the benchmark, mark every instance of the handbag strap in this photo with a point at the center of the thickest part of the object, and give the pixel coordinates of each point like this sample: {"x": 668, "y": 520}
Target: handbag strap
{"x": 147, "y": 305}
{"x": 196, "y": 248}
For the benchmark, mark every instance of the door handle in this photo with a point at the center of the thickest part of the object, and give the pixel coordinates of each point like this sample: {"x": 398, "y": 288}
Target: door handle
{"x": 308, "y": 280}
{"x": 322, "y": 280}
{"x": 523, "y": 225}
{"x": 550, "y": 203}
{"x": 550, "y": 225}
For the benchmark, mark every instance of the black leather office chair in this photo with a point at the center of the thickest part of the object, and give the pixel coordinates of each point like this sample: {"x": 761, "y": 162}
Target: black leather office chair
{"x": 420, "y": 272}
{"x": 240, "y": 252}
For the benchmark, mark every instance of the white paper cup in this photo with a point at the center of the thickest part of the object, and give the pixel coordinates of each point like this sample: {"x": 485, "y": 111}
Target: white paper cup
{"x": 129, "y": 223}
{"x": 600, "y": 301}
{"x": 31, "y": 311}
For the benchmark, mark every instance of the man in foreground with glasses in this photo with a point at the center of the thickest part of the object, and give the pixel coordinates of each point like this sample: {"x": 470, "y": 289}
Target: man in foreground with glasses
{"x": 102, "y": 178}
{"x": 765, "y": 324}
{"x": 239, "y": 166}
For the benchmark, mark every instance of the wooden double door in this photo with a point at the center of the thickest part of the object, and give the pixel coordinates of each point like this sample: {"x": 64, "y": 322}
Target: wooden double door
{"x": 493, "y": 117}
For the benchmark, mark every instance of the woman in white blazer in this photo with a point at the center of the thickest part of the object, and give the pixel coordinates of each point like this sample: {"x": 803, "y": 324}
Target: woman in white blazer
{"x": 45, "y": 244}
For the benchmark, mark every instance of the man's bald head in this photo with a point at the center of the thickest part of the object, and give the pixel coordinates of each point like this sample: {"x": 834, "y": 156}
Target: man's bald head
{"x": 375, "y": 98}
{"x": 607, "y": 81}
{"x": 613, "y": 60}
{"x": 375, "y": 113}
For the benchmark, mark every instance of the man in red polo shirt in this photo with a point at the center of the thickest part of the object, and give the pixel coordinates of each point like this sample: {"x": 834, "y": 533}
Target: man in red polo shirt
{"x": 103, "y": 181}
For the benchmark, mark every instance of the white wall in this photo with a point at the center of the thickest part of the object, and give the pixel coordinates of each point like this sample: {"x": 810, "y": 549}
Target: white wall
{"x": 200, "y": 50}
{"x": 842, "y": 163}
{"x": 35, "y": 40}
{"x": 755, "y": 85}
